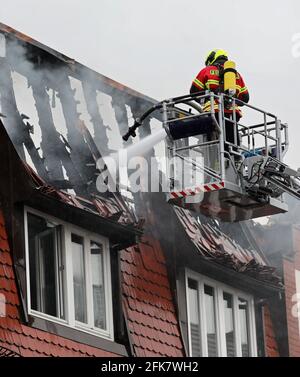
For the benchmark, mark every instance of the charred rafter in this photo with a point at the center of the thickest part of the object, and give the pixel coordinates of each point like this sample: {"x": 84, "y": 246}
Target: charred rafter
{"x": 80, "y": 153}
{"x": 100, "y": 135}
{"x": 54, "y": 150}
{"x": 18, "y": 125}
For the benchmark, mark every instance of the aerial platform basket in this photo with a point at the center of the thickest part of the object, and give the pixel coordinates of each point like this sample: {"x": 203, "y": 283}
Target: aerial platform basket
{"x": 233, "y": 181}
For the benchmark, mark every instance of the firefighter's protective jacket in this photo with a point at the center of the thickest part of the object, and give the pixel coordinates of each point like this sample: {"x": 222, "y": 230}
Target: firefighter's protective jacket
{"x": 208, "y": 79}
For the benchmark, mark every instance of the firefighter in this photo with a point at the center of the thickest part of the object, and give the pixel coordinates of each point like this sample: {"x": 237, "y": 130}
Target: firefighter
{"x": 210, "y": 79}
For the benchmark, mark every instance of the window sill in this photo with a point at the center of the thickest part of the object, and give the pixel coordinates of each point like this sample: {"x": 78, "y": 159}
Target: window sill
{"x": 78, "y": 325}
{"x": 77, "y": 335}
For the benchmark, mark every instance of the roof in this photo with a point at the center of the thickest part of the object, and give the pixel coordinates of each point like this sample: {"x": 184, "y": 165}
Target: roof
{"x": 148, "y": 303}
{"x": 215, "y": 245}
{"x": 108, "y": 212}
{"x": 23, "y": 340}
{"x": 5, "y": 352}
{"x": 63, "y": 146}
{"x": 109, "y": 208}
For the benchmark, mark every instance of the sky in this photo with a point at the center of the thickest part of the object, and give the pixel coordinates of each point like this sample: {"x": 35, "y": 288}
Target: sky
{"x": 157, "y": 47}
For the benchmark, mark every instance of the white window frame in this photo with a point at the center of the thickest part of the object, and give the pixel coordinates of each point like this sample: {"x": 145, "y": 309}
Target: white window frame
{"x": 67, "y": 230}
{"x": 219, "y": 288}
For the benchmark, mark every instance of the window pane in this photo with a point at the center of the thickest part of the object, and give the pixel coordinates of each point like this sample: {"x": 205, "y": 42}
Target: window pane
{"x": 79, "y": 279}
{"x": 194, "y": 317}
{"x": 46, "y": 291}
{"x": 210, "y": 315}
{"x": 229, "y": 324}
{"x": 98, "y": 285}
{"x": 244, "y": 325}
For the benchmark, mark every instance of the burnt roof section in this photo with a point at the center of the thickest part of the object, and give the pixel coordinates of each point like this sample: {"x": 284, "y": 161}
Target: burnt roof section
{"x": 20, "y": 184}
{"x": 59, "y": 116}
{"x": 62, "y": 116}
{"x": 215, "y": 245}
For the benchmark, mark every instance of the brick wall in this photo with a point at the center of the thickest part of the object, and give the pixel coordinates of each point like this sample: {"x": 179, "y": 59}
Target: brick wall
{"x": 289, "y": 267}
{"x": 271, "y": 346}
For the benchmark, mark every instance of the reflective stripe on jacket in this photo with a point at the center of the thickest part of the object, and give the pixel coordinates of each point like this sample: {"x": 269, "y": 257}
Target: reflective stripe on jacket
{"x": 206, "y": 108}
{"x": 208, "y": 79}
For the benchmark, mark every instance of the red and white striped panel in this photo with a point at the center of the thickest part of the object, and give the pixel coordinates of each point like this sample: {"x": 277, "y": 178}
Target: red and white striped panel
{"x": 214, "y": 186}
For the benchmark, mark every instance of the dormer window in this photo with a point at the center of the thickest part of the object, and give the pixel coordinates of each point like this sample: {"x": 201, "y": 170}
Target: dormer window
{"x": 68, "y": 278}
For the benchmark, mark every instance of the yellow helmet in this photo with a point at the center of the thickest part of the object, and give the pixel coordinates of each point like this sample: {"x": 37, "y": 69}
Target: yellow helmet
{"x": 213, "y": 55}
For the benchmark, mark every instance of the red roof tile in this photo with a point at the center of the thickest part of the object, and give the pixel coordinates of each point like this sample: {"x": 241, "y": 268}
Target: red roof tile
{"x": 26, "y": 352}
{"x": 4, "y": 244}
{"x": 3, "y": 234}
{"x": 5, "y": 258}
{"x": 11, "y": 311}
{"x": 6, "y": 271}
{"x": 149, "y": 309}
{"x": 25, "y": 341}
{"x": 10, "y": 348}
